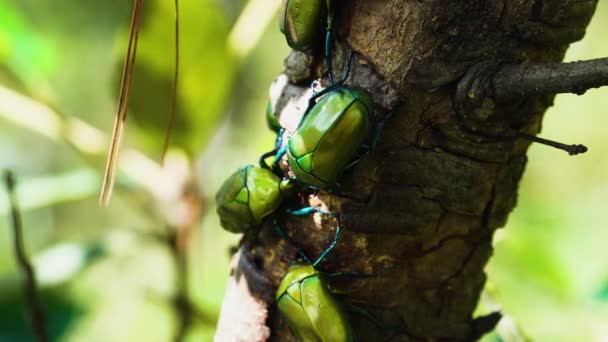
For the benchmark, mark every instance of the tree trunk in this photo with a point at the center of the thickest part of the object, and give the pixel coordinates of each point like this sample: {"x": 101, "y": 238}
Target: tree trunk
{"x": 421, "y": 208}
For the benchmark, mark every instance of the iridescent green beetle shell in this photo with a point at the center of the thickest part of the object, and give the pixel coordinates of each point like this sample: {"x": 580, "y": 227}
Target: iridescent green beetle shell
{"x": 302, "y": 22}
{"x": 329, "y": 136}
{"x": 247, "y": 197}
{"x": 309, "y": 308}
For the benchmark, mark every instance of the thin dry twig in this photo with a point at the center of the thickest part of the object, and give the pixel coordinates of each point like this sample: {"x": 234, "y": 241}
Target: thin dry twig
{"x": 181, "y": 300}
{"x": 572, "y": 150}
{"x": 175, "y": 85}
{"x": 120, "y": 116}
{"x": 36, "y": 314}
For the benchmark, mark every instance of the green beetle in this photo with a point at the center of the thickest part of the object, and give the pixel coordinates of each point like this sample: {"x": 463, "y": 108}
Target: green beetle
{"x": 301, "y": 21}
{"x": 248, "y": 196}
{"x": 304, "y": 299}
{"x": 329, "y": 136}
{"x": 309, "y": 308}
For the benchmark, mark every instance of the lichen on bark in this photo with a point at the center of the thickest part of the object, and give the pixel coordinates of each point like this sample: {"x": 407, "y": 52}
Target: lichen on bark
{"x": 425, "y": 203}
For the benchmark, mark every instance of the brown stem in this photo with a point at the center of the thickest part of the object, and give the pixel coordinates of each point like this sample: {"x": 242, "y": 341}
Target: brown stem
{"x": 175, "y": 88}
{"x": 523, "y": 80}
{"x": 181, "y": 300}
{"x": 572, "y": 150}
{"x": 507, "y": 82}
{"x": 36, "y": 315}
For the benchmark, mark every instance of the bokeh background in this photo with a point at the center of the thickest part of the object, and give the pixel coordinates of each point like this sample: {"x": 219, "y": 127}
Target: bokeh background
{"x": 109, "y": 274}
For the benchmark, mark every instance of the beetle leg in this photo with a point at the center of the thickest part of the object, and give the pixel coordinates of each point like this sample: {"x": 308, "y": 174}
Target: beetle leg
{"x": 313, "y": 99}
{"x": 314, "y": 85}
{"x": 282, "y": 234}
{"x": 360, "y": 275}
{"x": 333, "y": 86}
{"x": 351, "y": 275}
{"x": 328, "y": 249}
{"x": 310, "y": 210}
{"x": 279, "y": 141}
{"x": 379, "y": 128}
{"x": 280, "y": 152}
{"x": 262, "y": 160}
{"x": 365, "y": 148}
{"x": 347, "y": 70}
{"x": 330, "y": 24}
{"x": 351, "y": 165}
{"x": 372, "y": 146}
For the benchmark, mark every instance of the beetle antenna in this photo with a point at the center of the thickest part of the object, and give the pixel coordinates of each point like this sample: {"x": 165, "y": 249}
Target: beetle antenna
{"x": 571, "y": 149}
{"x": 175, "y": 84}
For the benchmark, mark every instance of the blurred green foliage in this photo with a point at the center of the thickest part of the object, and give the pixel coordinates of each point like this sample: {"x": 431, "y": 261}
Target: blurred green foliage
{"x": 550, "y": 265}
{"x": 549, "y": 272}
{"x": 68, "y": 54}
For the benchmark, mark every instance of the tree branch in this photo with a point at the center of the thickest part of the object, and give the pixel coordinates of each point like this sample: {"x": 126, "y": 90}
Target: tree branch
{"x": 36, "y": 315}
{"x": 523, "y": 80}
{"x": 503, "y": 83}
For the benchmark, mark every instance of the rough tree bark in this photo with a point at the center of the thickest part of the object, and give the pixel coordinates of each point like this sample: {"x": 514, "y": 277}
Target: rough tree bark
{"x": 461, "y": 79}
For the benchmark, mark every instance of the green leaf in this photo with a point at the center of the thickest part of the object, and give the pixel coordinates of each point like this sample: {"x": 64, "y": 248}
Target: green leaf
{"x": 205, "y": 74}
